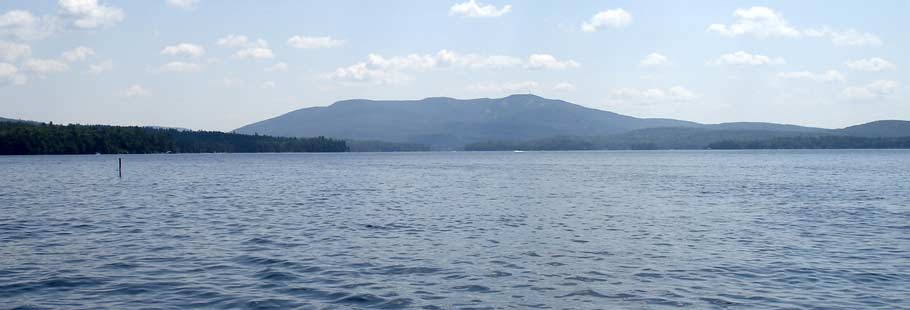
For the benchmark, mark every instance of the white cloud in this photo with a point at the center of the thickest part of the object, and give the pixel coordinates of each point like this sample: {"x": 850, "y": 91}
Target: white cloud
{"x": 446, "y": 58}
{"x": 742, "y": 58}
{"x": 45, "y": 66}
{"x": 409, "y": 62}
{"x": 681, "y": 93}
{"x": 440, "y": 60}
{"x": 827, "y": 76}
{"x": 232, "y": 40}
{"x": 135, "y": 91}
{"x": 474, "y": 9}
{"x": 179, "y": 66}
{"x": 875, "y": 90}
{"x": 89, "y": 14}
{"x": 188, "y": 49}
{"x": 509, "y": 87}
{"x": 870, "y": 64}
{"x": 390, "y": 70}
{"x": 675, "y": 94}
{"x": 654, "y": 60}
{"x": 362, "y": 73}
{"x": 9, "y": 74}
{"x": 615, "y": 18}
{"x": 7, "y": 70}
{"x": 650, "y": 77}
{"x": 756, "y": 21}
{"x": 268, "y": 85}
{"x": 10, "y": 51}
{"x": 254, "y": 53}
{"x": 564, "y": 86}
{"x": 279, "y": 67}
{"x": 230, "y": 82}
{"x": 849, "y": 37}
{"x": 183, "y": 4}
{"x": 101, "y": 67}
{"x": 763, "y": 22}
{"x": 546, "y": 61}
{"x": 854, "y": 38}
{"x": 78, "y": 54}
{"x": 314, "y": 42}
{"x": 24, "y": 25}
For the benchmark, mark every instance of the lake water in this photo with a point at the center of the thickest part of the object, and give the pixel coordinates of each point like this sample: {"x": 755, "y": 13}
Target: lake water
{"x": 561, "y": 230}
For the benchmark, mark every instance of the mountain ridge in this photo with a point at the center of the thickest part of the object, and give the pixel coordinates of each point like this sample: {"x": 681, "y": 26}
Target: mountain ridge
{"x": 446, "y": 123}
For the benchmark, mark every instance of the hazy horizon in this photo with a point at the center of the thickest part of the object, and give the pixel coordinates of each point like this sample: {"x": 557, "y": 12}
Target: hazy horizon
{"x": 202, "y": 64}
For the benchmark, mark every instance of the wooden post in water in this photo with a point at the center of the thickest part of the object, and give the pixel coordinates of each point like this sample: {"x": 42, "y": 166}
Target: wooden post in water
{"x": 120, "y": 167}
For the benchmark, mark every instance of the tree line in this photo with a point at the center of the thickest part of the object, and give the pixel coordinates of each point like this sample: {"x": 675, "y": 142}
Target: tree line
{"x": 382, "y": 146}
{"x": 23, "y": 138}
{"x": 816, "y": 142}
{"x": 625, "y": 143}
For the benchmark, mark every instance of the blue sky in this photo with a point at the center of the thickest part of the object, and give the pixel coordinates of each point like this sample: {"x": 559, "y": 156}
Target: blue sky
{"x": 218, "y": 65}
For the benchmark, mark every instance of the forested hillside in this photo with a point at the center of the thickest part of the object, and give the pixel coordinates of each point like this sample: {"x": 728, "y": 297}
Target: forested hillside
{"x": 21, "y": 138}
{"x": 823, "y": 142}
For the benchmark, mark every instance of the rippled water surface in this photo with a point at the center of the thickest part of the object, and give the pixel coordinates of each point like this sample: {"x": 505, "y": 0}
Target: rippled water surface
{"x": 569, "y": 230}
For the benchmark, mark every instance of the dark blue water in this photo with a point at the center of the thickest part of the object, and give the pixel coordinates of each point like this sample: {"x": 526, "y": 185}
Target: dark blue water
{"x": 637, "y": 230}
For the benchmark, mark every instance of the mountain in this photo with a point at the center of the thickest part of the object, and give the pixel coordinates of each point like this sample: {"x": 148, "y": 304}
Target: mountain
{"x": 526, "y": 121}
{"x": 447, "y": 123}
{"x": 887, "y": 128}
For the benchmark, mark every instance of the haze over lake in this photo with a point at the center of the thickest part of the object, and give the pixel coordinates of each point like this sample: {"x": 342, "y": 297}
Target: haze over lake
{"x": 642, "y": 229}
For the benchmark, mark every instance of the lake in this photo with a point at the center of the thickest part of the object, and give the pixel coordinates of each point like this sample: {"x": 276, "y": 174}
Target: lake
{"x": 551, "y": 230}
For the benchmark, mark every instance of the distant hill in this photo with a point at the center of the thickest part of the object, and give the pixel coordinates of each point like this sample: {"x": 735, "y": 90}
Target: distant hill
{"x": 755, "y": 126}
{"x": 10, "y": 120}
{"x": 447, "y": 123}
{"x": 888, "y": 128}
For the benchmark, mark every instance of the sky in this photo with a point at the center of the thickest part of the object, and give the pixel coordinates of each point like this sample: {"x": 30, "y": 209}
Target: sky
{"x": 219, "y": 65}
